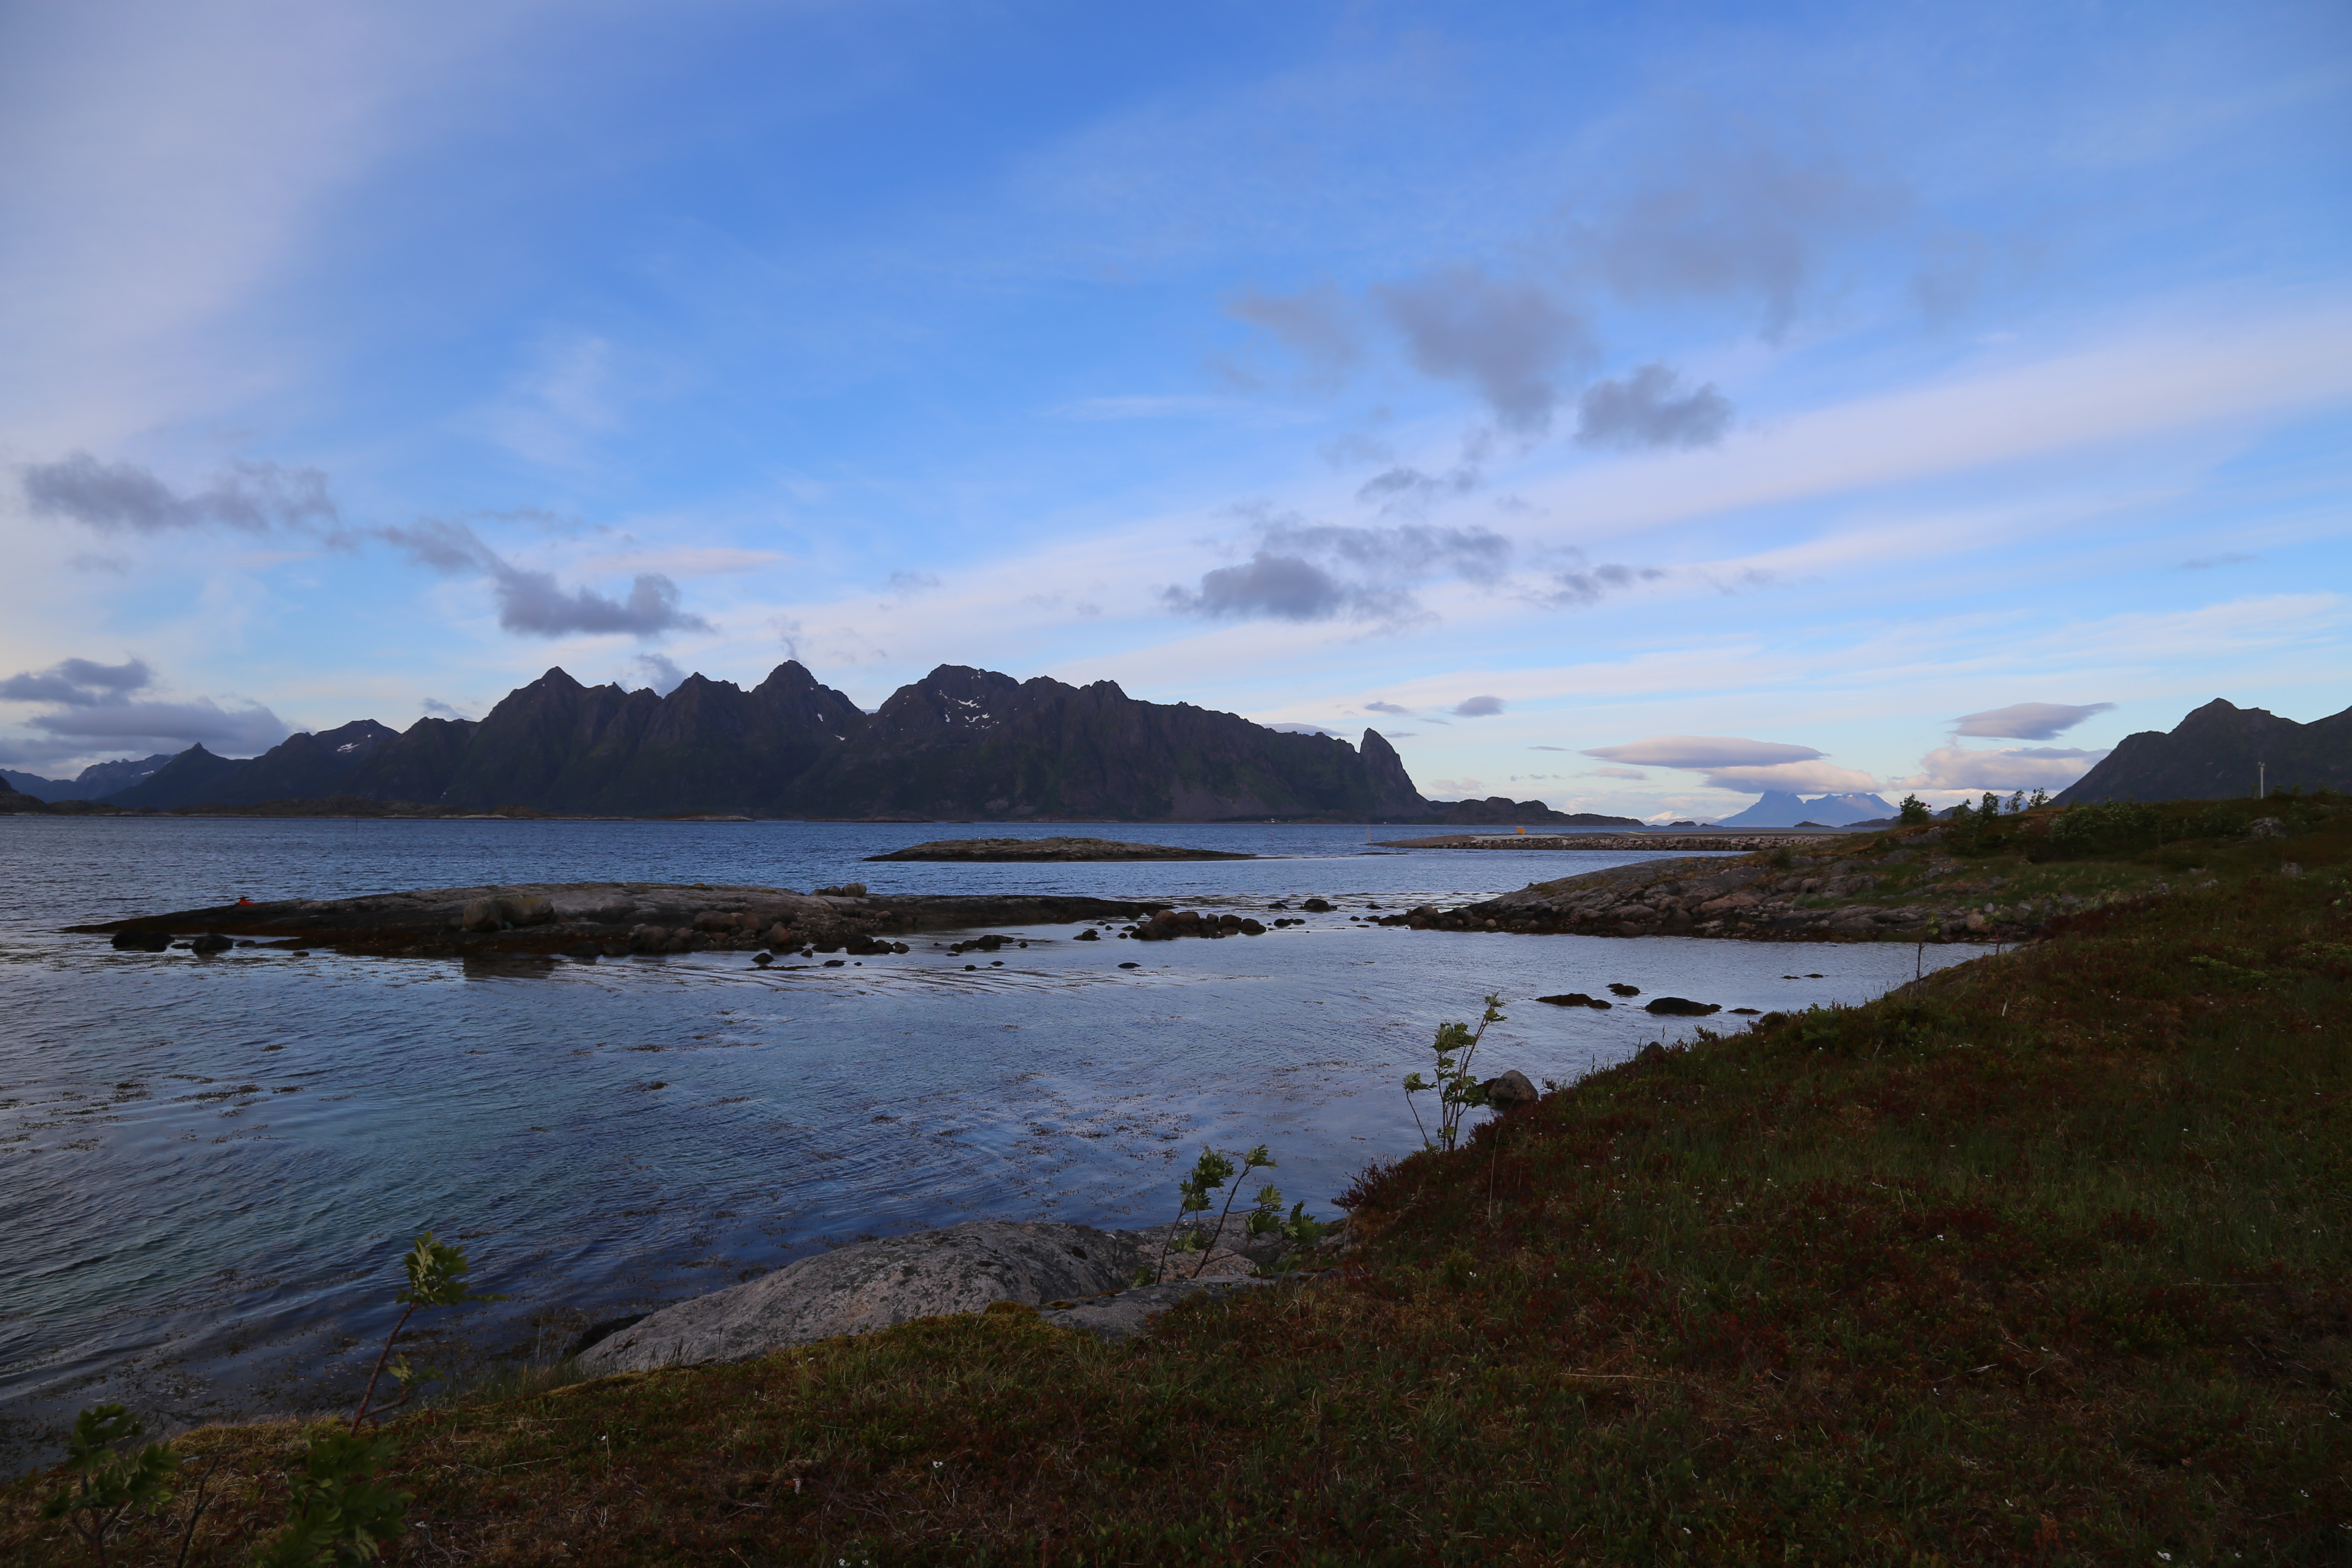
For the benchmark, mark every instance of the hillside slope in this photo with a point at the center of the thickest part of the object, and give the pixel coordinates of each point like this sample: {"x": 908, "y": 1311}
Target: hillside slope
{"x": 2212, "y": 754}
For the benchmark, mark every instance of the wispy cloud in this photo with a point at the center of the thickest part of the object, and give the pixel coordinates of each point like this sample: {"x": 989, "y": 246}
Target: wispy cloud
{"x": 2022, "y": 767}
{"x": 532, "y": 601}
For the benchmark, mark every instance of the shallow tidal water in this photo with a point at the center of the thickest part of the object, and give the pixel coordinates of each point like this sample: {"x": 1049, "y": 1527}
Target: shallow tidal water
{"x": 213, "y": 1163}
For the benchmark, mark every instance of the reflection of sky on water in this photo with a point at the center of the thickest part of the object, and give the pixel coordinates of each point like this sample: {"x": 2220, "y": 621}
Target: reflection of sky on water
{"x": 215, "y": 1161}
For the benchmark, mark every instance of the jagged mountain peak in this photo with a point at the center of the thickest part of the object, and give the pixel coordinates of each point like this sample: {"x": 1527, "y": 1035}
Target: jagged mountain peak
{"x": 960, "y": 741}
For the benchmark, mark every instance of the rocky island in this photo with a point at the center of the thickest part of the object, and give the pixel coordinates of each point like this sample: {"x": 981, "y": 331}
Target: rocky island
{"x": 1053, "y": 849}
{"x": 592, "y": 920}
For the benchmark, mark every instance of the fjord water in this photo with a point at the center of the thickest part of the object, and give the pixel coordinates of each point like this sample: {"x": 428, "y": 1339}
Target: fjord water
{"x": 212, "y": 1162}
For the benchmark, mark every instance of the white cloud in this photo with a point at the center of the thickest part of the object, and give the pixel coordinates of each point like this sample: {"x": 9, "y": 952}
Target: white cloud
{"x": 2023, "y": 767}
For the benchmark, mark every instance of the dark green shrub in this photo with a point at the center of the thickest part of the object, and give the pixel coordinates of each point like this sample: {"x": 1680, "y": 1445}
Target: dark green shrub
{"x": 2106, "y": 827}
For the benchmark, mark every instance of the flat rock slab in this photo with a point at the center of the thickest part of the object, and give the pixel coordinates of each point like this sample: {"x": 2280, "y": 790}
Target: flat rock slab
{"x": 1052, "y": 849}
{"x": 1130, "y": 1312}
{"x": 875, "y": 1284}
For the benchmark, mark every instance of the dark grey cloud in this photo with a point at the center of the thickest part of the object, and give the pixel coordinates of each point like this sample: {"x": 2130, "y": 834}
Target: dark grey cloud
{"x": 1547, "y": 748}
{"x": 1581, "y": 586}
{"x": 2027, "y": 720}
{"x": 95, "y": 706}
{"x": 1643, "y": 410}
{"x": 912, "y": 582}
{"x": 1302, "y": 728}
{"x": 441, "y": 709}
{"x": 533, "y": 603}
{"x": 78, "y": 683}
{"x": 1284, "y": 587}
{"x": 123, "y": 497}
{"x": 1318, "y": 324}
{"x": 655, "y": 671}
{"x": 1508, "y": 338}
{"x": 1388, "y": 708}
{"x": 161, "y": 727}
{"x": 1477, "y": 707}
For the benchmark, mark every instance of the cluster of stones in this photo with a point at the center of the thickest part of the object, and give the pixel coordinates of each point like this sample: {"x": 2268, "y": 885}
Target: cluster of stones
{"x": 1170, "y": 924}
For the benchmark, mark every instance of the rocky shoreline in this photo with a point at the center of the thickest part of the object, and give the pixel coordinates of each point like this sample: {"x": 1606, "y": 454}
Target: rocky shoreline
{"x": 1053, "y": 849}
{"x": 1741, "y": 841}
{"x": 1780, "y": 896}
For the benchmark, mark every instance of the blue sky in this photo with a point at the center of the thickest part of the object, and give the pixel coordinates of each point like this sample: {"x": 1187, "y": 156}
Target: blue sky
{"x": 1811, "y": 395}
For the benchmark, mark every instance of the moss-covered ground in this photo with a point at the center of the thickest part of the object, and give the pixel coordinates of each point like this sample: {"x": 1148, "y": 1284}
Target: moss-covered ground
{"x": 2043, "y": 1261}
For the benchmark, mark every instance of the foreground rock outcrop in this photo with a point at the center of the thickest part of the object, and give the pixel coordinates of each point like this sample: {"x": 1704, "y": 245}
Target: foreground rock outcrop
{"x": 1081, "y": 1277}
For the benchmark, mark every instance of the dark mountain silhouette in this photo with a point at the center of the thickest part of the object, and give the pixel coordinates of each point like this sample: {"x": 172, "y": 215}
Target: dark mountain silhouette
{"x": 93, "y": 783}
{"x": 959, "y": 743}
{"x": 971, "y": 743}
{"x": 2212, "y": 754}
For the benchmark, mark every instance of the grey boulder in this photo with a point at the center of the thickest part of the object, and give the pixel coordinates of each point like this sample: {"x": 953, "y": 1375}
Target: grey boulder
{"x": 874, "y": 1285}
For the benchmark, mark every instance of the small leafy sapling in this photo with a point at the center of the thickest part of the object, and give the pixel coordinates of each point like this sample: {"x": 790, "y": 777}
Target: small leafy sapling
{"x": 1209, "y": 1172}
{"x": 1300, "y": 1229}
{"x": 436, "y": 1278}
{"x": 1255, "y": 1160}
{"x": 341, "y": 1513}
{"x": 109, "y": 1483}
{"x": 1914, "y": 809}
{"x": 1457, "y": 1091}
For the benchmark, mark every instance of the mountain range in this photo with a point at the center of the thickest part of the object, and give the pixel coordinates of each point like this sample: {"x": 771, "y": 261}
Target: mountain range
{"x": 2219, "y": 751}
{"x": 959, "y": 743}
{"x": 1781, "y": 808}
{"x": 95, "y": 782}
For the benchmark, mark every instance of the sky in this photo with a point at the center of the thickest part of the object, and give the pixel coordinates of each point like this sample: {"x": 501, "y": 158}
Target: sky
{"x": 1631, "y": 408}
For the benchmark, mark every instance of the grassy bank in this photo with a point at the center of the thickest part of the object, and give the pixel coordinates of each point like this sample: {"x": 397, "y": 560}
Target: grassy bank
{"x": 2043, "y": 1261}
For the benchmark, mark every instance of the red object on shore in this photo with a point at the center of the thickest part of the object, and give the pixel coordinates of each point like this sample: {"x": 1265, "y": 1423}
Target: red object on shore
{"x": 243, "y": 900}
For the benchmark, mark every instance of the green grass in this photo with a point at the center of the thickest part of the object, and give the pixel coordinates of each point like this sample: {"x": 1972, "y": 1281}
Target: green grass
{"x": 2042, "y": 1260}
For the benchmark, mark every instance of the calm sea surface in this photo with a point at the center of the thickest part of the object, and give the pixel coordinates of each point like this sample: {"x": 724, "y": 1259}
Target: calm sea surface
{"x": 212, "y": 1163}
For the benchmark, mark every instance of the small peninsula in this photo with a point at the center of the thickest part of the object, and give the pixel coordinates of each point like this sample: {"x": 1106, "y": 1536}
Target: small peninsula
{"x": 1053, "y": 849}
